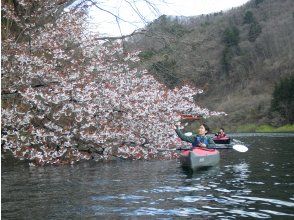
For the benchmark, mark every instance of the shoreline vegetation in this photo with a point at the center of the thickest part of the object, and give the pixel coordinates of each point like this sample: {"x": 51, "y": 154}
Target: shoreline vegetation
{"x": 245, "y": 128}
{"x": 289, "y": 128}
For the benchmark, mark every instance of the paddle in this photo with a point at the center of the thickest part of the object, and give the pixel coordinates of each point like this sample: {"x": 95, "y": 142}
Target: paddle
{"x": 237, "y": 147}
{"x": 240, "y": 148}
{"x": 188, "y": 134}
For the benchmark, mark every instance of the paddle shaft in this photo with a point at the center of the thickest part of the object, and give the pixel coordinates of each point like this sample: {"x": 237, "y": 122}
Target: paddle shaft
{"x": 237, "y": 147}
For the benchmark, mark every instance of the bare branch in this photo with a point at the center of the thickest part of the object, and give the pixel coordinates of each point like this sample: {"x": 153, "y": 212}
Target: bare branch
{"x": 62, "y": 7}
{"x": 109, "y": 12}
{"x": 137, "y": 11}
{"x": 121, "y": 37}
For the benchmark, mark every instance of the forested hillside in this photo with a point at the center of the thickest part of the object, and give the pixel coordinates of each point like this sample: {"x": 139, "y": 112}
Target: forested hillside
{"x": 237, "y": 57}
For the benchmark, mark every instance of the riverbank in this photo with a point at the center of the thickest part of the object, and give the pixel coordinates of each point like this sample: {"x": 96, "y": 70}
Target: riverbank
{"x": 265, "y": 128}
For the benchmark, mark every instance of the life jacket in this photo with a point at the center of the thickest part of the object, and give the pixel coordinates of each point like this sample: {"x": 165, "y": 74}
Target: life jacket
{"x": 200, "y": 139}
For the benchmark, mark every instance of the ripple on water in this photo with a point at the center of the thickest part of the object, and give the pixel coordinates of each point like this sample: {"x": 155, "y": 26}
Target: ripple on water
{"x": 255, "y": 183}
{"x": 223, "y": 190}
{"x": 182, "y": 212}
{"x": 272, "y": 201}
{"x": 103, "y": 198}
{"x": 102, "y": 210}
{"x": 244, "y": 213}
{"x": 165, "y": 189}
{"x": 276, "y": 213}
{"x": 190, "y": 198}
{"x": 120, "y": 197}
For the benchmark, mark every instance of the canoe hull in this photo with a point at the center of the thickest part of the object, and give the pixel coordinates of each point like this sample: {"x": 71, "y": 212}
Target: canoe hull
{"x": 222, "y": 140}
{"x": 199, "y": 158}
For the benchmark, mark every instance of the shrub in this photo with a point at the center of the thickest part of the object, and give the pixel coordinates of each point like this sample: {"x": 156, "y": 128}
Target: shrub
{"x": 286, "y": 128}
{"x": 265, "y": 128}
{"x": 247, "y": 128}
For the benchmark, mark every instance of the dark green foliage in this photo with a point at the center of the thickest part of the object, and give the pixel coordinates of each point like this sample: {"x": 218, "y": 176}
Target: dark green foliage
{"x": 283, "y": 99}
{"x": 171, "y": 26}
{"x": 231, "y": 36}
{"x": 218, "y": 13}
{"x": 231, "y": 39}
{"x": 248, "y": 18}
{"x": 146, "y": 55}
{"x": 165, "y": 72}
{"x": 162, "y": 20}
{"x": 205, "y": 24}
{"x": 254, "y": 31}
{"x": 226, "y": 59}
{"x": 177, "y": 29}
{"x": 257, "y": 2}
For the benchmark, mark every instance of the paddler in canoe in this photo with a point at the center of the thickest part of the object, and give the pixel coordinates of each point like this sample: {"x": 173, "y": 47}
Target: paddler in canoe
{"x": 200, "y": 140}
{"x": 200, "y": 155}
{"x": 203, "y": 141}
{"x": 221, "y": 137}
{"x": 221, "y": 133}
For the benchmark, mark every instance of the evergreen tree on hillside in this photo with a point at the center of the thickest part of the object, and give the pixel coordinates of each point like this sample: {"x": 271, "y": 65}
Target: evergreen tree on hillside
{"x": 248, "y": 17}
{"x": 283, "y": 99}
{"x": 231, "y": 40}
{"x": 254, "y": 31}
{"x": 254, "y": 28}
{"x": 231, "y": 36}
{"x": 169, "y": 25}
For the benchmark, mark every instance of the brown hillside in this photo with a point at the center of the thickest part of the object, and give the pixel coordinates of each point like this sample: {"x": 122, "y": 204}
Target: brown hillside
{"x": 236, "y": 57}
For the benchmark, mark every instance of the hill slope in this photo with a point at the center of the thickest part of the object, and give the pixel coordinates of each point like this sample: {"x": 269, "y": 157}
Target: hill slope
{"x": 236, "y": 57}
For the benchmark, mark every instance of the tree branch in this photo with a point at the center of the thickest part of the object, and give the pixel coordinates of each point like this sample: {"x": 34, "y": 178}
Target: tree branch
{"x": 121, "y": 37}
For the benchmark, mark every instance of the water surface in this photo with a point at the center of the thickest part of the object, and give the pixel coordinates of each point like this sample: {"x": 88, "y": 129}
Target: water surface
{"x": 255, "y": 184}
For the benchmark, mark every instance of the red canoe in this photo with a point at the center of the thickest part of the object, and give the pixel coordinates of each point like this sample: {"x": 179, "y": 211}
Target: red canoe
{"x": 224, "y": 140}
{"x": 199, "y": 158}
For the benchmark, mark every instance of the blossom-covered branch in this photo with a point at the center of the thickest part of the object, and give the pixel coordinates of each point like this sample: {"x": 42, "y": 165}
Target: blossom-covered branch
{"x": 76, "y": 98}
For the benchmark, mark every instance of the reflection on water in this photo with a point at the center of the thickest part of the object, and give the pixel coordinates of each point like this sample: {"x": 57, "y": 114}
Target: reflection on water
{"x": 255, "y": 184}
{"x": 207, "y": 171}
{"x": 241, "y": 171}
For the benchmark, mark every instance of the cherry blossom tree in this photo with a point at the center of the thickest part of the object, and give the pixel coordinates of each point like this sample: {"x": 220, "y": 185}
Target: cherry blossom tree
{"x": 68, "y": 97}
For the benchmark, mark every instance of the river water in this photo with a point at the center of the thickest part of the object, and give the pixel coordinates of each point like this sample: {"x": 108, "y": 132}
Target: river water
{"x": 258, "y": 184}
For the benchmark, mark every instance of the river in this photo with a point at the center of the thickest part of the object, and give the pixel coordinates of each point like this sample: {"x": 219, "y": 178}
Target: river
{"x": 256, "y": 184}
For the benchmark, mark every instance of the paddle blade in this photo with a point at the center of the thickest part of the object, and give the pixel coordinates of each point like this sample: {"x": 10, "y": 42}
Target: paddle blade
{"x": 240, "y": 148}
{"x": 188, "y": 134}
